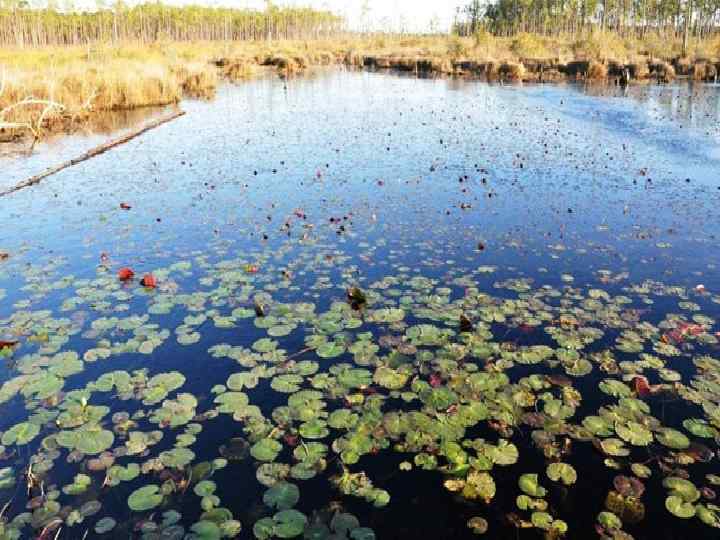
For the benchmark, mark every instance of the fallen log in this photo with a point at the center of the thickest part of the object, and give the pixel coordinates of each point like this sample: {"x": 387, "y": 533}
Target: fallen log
{"x": 93, "y": 152}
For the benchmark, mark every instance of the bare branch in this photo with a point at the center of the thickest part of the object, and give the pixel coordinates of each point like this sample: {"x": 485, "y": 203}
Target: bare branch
{"x": 31, "y": 101}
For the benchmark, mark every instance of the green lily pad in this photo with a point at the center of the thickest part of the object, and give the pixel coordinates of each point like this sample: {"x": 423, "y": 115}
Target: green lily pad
{"x": 615, "y": 388}
{"x": 708, "y": 514}
{"x": 20, "y": 434}
{"x": 678, "y": 507}
{"x": 614, "y": 447}
{"x": 289, "y": 523}
{"x": 145, "y": 498}
{"x": 390, "y": 378}
{"x": 330, "y": 349}
{"x": 342, "y": 419}
{"x": 682, "y": 488}
{"x": 362, "y": 533}
{"x": 700, "y": 428}
{"x": 634, "y": 433}
{"x": 282, "y": 496}
{"x": 529, "y": 484}
{"x": 89, "y": 439}
{"x": 178, "y": 458}
{"x": 562, "y": 472}
{"x": 205, "y": 488}
{"x": 238, "y": 381}
{"x": 672, "y": 438}
{"x": 284, "y": 524}
{"x": 265, "y": 449}
{"x": 7, "y": 478}
{"x": 105, "y": 525}
{"x": 314, "y": 429}
{"x": 609, "y": 521}
{"x": 206, "y": 530}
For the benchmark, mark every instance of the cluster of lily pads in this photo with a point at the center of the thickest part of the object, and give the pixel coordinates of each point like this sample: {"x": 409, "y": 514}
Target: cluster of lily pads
{"x": 460, "y": 381}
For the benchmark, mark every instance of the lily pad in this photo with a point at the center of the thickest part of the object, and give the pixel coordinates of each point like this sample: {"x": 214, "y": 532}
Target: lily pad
{"x": 678, "y": 507}
{"x": 282, "y": 496}
{"x": 265, "y": 449}
{"x": 145, "y": 498}
{"x": 672, "y": 438}
{"x": 530, "y": 485}
{"x": 562, "y": 472}
{"x": 20, "y": 434}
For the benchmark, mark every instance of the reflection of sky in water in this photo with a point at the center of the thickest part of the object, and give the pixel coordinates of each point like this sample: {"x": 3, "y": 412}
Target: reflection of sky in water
{"x": 680, "y": 119}
{"x": 556, "y": 161}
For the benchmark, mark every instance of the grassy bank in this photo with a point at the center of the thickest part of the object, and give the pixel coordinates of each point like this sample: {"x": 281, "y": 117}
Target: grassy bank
{"x": 52, "y": 89}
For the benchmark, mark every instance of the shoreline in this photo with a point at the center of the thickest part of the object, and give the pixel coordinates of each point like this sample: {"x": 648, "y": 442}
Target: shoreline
{"x": 93, "y": 88}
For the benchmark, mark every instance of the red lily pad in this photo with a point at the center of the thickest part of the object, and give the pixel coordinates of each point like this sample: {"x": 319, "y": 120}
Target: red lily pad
{"x": 149, "y": 281}
{"x": 125, "y": 274}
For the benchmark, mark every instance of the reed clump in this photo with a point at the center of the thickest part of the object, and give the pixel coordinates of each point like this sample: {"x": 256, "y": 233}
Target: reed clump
{"x": 237, "y": 69}
{"x": 196, "y": 80}
{"x": 70, "y": 93}
{"x": 597, "y": 71}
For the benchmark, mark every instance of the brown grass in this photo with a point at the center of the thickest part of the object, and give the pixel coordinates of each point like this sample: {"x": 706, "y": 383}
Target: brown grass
{"x": 74, "y": 82}
{"x": 197, "y": 80}
{"x": 597, "y": 71}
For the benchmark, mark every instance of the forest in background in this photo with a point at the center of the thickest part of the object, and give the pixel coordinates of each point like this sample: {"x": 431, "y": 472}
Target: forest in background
{"x": 22, "y": 25}
{"x": 627, "y": 18}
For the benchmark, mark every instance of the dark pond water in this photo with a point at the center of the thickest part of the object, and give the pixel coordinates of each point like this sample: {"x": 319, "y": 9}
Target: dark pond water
{"x": 393, "y": 298}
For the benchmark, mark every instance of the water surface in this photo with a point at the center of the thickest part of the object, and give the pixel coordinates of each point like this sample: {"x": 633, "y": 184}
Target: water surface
{"x": 572, "y": 230}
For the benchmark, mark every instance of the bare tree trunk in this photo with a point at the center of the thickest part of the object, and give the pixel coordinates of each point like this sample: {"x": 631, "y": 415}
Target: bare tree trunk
{"x": 686, "y": 32}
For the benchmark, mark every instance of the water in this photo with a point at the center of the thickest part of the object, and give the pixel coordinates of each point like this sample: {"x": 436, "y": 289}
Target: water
{"x": 439, "y": 197}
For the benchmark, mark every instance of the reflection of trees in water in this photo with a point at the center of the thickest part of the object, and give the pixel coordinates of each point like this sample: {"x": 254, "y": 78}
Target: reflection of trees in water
{"x": 109, "y": 121}
{"x": 100, "y": 123}
{"x": 692, "y": 104}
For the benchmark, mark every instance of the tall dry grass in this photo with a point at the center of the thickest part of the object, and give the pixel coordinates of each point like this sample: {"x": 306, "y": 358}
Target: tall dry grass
{"x": 54, "y": 88}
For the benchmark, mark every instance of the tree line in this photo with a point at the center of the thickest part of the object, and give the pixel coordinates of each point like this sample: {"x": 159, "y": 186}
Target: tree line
{"x": 629, "y": 18}
{"x": 22, "y": 25}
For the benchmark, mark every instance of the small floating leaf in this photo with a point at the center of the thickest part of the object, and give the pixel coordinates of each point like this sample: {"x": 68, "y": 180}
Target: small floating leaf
{"x": 282, "y": 496}
{"x": 678, "y": 507}
{"x": 529, "y": 483}
{"x": 145, "y": 498}
{"x": 562, "y": 472}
